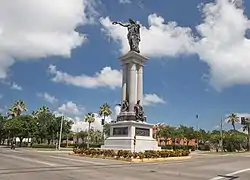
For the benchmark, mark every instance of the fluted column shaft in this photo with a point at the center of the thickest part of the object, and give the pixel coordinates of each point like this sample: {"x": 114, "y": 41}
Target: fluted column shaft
{"x": 124, "y": 82}
{"x": 140, "y": 84}
{"x": 132, "y": 85}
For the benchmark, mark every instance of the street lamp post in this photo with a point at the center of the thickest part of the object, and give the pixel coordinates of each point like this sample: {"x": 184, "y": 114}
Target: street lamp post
{"x": 221, "y": 135}
{"x": 197, "y": 118}
{"x": 103, "y": 136}
{"x": 60, "y": 136}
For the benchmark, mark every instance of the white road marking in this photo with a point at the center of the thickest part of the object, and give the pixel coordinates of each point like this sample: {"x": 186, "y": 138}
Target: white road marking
{"x": 78, "y": 160}
{"x": 231, "y": 174}
{"x": 30, "y": 160}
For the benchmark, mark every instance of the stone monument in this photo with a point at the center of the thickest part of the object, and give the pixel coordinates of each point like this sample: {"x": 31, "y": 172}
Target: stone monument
{"x": 131, "y": 122}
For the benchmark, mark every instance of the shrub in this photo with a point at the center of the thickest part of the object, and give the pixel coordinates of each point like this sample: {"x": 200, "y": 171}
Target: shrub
{"x": 204, "y": 147}
{"x": 128, "y": 154}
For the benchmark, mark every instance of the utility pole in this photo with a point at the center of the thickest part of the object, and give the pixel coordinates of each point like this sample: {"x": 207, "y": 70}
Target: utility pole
{"x": 248, "y": 131}
{"x": 197, "y": 118}
{"x": 57, "y": 140}
{"x": 60, "y": 138}
{"x": 221, "y": 136}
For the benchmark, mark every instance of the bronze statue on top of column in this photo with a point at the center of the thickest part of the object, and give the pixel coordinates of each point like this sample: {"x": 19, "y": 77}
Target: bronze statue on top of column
{"x": 133, "y": 35}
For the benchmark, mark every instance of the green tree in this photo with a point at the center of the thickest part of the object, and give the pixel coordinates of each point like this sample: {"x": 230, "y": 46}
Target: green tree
{"x": 233, "y": 118}
{"x": 95, "y": 136}
{"x": 83, "y": 135}
{"x": 202, "y": 135}
{"x": 234, "y": 140}
{"x": 246, "y": 128}
{"x": 165, "y": 132}
{"x": 3, "y": 133}
{"x": 19, "y": 126}
{"x": 106, "y": 129}
{"x": 45, "y": 122}
{"x": 188, "y": 132}
{"x": 89, "y": 118}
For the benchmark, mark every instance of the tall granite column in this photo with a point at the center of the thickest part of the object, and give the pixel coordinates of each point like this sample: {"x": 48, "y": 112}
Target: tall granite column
{"x": 124, "y": 82}
{"x": 140, "y": 84}
{"x": 132, "y": 84}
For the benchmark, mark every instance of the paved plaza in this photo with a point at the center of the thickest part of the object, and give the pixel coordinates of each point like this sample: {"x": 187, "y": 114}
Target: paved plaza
{"x": 22, "y": 164}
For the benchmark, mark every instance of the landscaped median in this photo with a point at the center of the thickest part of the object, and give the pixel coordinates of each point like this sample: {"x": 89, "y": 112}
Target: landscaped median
{"x": 147, "y": 156}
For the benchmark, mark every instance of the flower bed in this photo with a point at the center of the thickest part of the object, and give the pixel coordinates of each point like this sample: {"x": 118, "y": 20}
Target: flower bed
{"x": 128, "y": 155}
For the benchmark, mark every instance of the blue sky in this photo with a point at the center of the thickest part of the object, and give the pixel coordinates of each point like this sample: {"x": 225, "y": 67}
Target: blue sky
{"x": 186, "y": 76}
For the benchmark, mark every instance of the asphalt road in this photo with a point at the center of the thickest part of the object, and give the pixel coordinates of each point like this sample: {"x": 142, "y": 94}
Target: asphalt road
{"x": 21, "y": 164}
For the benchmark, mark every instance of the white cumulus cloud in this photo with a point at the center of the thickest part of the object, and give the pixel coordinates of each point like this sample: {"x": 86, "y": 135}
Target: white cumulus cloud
{"x": 221, "y": 41}
{"x": 125, "y": 1}
{"x": 159, "y": 39}
{"x": 47, "y": 97}
{"x": 152, "y": 99}
{"x": 223, "y": 45}
{"x": 81, "y": 125}
{"x": 70, "y": 109}
{"x": 16, "y": 87}
{"x": 107, "y": 77}
{"x": 36, "y": 29}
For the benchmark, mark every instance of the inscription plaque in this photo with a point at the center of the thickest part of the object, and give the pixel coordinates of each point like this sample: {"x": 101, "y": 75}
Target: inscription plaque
{"x": 120, "y": 131}
{"x": 142, "y": 132}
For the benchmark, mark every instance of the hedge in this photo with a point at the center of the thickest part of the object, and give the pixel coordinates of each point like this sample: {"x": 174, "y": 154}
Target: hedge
{"x": 128, "y": 154}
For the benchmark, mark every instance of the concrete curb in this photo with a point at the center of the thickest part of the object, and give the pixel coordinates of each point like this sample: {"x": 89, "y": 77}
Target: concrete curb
{"x": 138, "y": 160}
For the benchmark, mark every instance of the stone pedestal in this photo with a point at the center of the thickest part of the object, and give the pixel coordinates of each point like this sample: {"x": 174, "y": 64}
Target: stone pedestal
{"x": 122, "y": 137}
{"x": 128, "y": 125}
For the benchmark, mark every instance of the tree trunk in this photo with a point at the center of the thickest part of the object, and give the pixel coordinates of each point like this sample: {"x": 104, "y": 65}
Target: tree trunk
{"x": 248, "y": 130}
{"x": 88, "y": 136}
{"x": 67, "y": 141}
{"x": 53, "y": 138}
{"x": 233, "y": 126}
{"x": 103, "y": 136}
{"x": 21, "y": 141}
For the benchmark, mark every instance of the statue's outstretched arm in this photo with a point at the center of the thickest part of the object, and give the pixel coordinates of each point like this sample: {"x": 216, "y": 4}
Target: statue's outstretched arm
{"x": 120, "y": 23}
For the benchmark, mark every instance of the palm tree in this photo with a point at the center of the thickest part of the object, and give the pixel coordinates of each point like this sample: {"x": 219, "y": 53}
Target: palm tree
{"x": 89, "y": 118}
{"x": 233, "y": 118}
{"x": 17, "y": 109}
{"x": 104, "y": 111}
{"x": 43, "y": 110}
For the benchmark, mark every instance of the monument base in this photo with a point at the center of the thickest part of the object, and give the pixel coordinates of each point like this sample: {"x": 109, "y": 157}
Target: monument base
{"x": 122, "y": 135}
{"x": 128, "y": 116}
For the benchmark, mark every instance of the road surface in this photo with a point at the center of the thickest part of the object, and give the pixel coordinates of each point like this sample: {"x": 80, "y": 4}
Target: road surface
{"x": 21, "y": 164}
